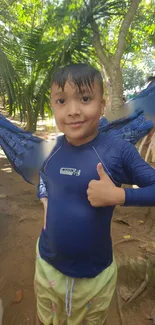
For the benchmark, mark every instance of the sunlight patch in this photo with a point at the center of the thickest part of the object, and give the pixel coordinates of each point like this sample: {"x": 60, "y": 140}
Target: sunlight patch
{"x": 2, "y": 154}
{"x": 7, "y": 170}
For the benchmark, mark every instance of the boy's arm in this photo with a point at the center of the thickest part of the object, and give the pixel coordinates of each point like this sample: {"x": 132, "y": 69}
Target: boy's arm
{"x": 43, "y": 196}
{"x": 45, "y": 203}
{"x": 141, "y": 174}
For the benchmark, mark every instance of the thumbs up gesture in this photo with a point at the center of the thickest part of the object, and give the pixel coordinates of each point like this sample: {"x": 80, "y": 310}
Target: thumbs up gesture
{"x": 103, "y": 192}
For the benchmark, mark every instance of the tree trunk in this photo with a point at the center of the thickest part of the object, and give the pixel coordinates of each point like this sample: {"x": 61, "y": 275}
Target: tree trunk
{"x": 112, "y": 64}
{"x": 30, "y": 122}
{"x": 114, "y": 98}
{"x": 107, "y": 88}
{"x": 112, "y": 75}
{"x": 116, "y": 90}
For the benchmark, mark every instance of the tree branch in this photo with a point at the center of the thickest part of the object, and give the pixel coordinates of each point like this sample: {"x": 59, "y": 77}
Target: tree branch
{"x": 104, "y": 59}
{"x": 124, "y": 29}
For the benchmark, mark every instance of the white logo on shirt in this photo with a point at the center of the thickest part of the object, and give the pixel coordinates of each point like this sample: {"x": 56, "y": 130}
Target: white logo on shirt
{"x": 70, "y": 171}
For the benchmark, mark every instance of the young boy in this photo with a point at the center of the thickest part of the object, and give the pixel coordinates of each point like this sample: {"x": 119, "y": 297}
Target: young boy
{"x": 75, "y": 270}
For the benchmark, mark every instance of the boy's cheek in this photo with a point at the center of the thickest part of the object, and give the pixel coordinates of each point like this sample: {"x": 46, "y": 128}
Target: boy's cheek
{"x": 58, "y": 120}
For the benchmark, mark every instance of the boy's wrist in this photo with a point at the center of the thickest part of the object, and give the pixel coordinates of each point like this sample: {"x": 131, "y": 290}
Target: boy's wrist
{"x": 120, "y": 196}
{"x": 44, "y": 200}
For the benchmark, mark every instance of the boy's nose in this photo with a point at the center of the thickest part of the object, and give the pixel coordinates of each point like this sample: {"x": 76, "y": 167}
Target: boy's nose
{"x": 73, "y": 109}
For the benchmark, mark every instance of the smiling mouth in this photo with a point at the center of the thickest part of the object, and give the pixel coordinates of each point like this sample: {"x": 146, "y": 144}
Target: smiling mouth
{"x": 76, "y": 123}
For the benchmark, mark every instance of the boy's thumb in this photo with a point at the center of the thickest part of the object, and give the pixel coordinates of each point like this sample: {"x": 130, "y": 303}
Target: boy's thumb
{"x": 100, "y": 171}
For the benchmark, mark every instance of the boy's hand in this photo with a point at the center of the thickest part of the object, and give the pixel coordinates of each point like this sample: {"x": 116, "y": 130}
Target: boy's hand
{"x": 44, "y": 201}
{"x": 104, "y": 192}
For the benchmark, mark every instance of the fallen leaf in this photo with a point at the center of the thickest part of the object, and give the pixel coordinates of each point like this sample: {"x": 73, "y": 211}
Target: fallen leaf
{"x": 125, "y": 293}
{"x": 143, "y": 246}
{"x": 127, "y": 236}
{"x": 22, "y": 219}
{"x": 18, "y": 296}
{"x": 120, "y": 221}
{"x": 2, "y": 196}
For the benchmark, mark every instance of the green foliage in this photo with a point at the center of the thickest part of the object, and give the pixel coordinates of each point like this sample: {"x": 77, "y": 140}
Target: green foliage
{"x": 38, "y": 36}
{"x": 133, "y": 77}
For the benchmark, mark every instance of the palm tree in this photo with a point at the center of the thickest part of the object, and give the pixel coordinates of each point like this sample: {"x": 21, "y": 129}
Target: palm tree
{"x": 68, "y": 31}
{"x": 102, "y": 26}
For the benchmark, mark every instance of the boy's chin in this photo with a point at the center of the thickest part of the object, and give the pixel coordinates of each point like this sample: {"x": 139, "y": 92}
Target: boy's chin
{"x": 79, "y": 140}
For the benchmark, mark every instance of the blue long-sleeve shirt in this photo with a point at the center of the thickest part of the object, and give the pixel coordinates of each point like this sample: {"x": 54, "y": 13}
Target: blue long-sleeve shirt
{"x": 77, "y": 238}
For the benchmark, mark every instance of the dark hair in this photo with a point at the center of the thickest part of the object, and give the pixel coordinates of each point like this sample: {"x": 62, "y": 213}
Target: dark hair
{"x": 151, "y": 78}
{"x": 80, "y": 74}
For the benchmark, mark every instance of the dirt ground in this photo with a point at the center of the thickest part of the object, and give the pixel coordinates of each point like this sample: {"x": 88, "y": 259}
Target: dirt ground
{"x": 21, "y": 220}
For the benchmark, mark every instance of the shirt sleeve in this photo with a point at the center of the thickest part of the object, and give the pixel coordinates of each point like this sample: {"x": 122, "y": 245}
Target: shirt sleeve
{"x": 42, "y": 189}
{"x": 141, "y": 174}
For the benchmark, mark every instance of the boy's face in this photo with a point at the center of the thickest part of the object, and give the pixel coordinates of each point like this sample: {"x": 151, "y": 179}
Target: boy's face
{"x": 77, "y": 114}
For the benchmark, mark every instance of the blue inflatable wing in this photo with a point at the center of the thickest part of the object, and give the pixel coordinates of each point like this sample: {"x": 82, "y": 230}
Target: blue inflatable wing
{"x": 27, "y": 153}
{"x": 145, "y": 101}
{"x": 18, "y": 144}
{"x": 131, "y": 128}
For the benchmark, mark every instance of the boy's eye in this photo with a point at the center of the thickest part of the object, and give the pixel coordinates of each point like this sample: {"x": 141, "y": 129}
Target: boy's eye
{"x": 85, "y": 99}
{"x": 60, "y": 101}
